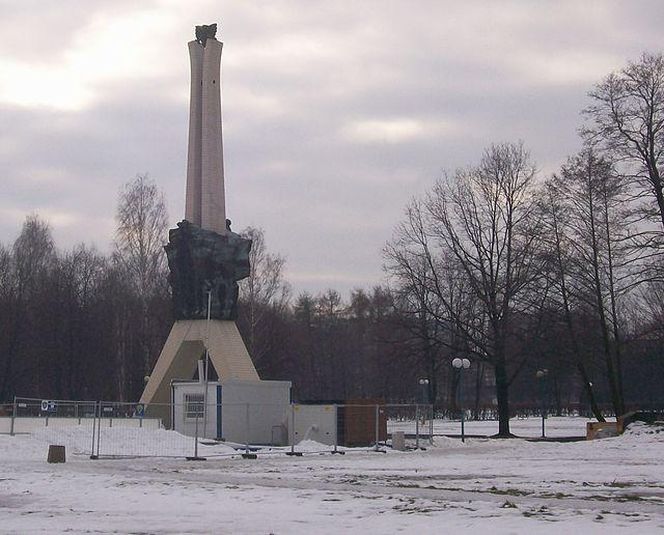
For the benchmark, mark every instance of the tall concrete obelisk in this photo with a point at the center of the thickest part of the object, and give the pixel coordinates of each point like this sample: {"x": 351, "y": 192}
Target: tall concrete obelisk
{"x": 205, "y": 259}
{"x": 205, "y": 198}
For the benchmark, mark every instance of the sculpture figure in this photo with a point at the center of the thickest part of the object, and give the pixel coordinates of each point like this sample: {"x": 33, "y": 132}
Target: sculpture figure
{"x": 201, "y": 260}
{"x": 205, "y": 32}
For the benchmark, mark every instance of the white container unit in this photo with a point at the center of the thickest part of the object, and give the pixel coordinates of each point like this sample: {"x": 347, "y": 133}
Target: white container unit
{"x": 237, "y": 411}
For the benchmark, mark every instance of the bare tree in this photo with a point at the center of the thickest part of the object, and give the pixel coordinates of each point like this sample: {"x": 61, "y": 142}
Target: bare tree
{"x": 141, "y": 232}
{"x": 142, "y": 221}
{"x": 627, "y": 120}
{"x": 595, "y": 195}
{"x": 484, "y": 220}
{"x": 34, "y": 251}
{"x": 33, "y": 258}
{"x": 304, "y": 339}
{"x": 558, "y": 242}
{"x": 421, "y": 314}
{"x": 8, "y": 323}
{"x": 79, "y": 273}
{"x": 263, "y": 294}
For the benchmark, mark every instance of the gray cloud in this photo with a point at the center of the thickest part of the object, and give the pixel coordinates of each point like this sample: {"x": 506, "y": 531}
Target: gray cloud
{"x": 335, "y": 114}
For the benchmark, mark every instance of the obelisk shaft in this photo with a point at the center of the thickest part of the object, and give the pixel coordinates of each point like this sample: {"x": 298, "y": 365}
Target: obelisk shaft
{"x": 205, "y": 199}
{"x": 193, "y": 193}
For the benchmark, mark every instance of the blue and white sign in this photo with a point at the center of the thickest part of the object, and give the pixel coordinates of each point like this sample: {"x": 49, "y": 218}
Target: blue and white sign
{"x": 48, "y": 405}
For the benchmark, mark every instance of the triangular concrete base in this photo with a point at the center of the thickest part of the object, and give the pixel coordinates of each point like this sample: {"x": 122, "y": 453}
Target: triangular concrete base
{"x": 186, "y": 344}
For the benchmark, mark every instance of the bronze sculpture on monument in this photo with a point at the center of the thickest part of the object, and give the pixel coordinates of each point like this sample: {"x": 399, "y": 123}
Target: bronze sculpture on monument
{"x": 205, "y": 266}
{"x": 205, "y": 258}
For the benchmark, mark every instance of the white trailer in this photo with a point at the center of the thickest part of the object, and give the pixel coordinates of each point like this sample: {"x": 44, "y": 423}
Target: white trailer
{"x": 254, "y": 412}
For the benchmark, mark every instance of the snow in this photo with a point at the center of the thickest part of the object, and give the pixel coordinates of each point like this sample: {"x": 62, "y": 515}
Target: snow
{"x": 129, "y": 441}
{"x": 613, "y": 485}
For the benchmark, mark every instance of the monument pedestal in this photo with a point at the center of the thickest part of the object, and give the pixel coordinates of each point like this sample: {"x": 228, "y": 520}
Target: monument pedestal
{"x": 184, "y": 347}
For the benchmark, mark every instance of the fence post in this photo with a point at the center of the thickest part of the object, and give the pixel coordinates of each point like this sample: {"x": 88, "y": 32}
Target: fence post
{"x": 247, "y": 454}
{"x": 431, "y": 425}
{"x": 99, "y": 415}
{"x": 94, "y": 429}
{"x": 292, "y": 434}
{"x": 292, "y": 446}
{"x": 377, "y": 427}
{"x": 246, "y": 426}
{"x": 76, "y": 413}
{"x": 11, "y": 429}
{"x": 196, "y": 438}
{"x": 195, "y": 456}
{"x": 417, "y": 426}
{"x": 336, "y": 429}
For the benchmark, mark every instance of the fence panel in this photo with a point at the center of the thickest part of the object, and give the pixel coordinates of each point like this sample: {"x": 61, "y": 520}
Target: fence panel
{"x": 414, "y": 421}
{"x": 189, "y": 429}
{"x": 60, "y": 422}
{"x": 6, "y": 419}
{"x": 138, "y": 430}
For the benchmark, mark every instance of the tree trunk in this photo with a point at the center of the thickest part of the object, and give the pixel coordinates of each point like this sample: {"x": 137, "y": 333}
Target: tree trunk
{"x": 556, "y": 395}
{"x": 478, "y": 390}
{"x": 587, "y": 385}
{"x": 614, "y": 312}
{"x": 570, "y": 325}
{"x": 7, "y": 388}
{"x": 502, "y": 396}
{"x": 601, "y": 315}
{"x": 656, "y": 181}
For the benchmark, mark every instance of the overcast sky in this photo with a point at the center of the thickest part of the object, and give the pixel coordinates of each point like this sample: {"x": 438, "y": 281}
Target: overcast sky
{"x": 335, "y": 113}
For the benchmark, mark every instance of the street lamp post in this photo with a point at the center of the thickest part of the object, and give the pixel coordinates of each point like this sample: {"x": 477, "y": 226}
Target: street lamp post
{"x": 422, "y": 396}
{"x": 207, "y": 363}
{"x": 541, "y": 377}
{"x": 424, "y": 390}
{"x": 460, "y": 365}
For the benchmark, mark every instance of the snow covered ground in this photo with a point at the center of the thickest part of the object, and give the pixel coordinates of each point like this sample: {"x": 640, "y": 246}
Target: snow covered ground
{"x": 614, "y": 485}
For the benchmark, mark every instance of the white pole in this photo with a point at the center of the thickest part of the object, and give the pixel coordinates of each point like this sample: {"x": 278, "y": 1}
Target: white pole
{"x": 336, "y": 428}
{"x": 196, "y": 437}
{"x": 431, "y": 425}
{"x": 377, "y": 416}
{"x": 207, "y": 361}
{"x": 99, "y": 414}
{"x": 417, "y": 426}
{"x": 292, "y": 446}
{"x": 246, "y": 425}
{"x": 94, "y": 431}
{"x": 11, "y": 430}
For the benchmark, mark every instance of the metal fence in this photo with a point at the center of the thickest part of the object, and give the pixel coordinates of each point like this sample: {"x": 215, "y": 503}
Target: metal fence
{"x": 195, "y": 430}
{"x": 53, "y": 421}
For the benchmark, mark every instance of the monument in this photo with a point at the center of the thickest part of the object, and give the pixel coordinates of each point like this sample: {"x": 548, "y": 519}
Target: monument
{"x": 205, "y": 258}
{"x": 205, "y": 199}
